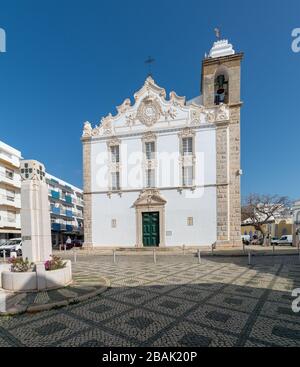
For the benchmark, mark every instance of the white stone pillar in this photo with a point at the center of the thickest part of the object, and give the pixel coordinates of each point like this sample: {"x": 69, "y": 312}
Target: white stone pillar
{"x": 35, "y": 213}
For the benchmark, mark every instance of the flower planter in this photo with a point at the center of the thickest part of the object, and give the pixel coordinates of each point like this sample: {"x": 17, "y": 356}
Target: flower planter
{"x": 18, "y": 281}
{"x": 3, "y": 267}
{"x": 29, "y": 281}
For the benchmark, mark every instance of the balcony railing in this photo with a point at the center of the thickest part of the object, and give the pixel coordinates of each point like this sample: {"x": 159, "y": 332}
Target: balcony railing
{"x": 10, "y": 201}
{"x": 55, "y": 210}
{"x": 62, "y": 212}
{"x": 68, "y": 213}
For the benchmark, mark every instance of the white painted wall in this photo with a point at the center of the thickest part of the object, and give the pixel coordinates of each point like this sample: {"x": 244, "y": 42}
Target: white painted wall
{"x": 199, "y": 204}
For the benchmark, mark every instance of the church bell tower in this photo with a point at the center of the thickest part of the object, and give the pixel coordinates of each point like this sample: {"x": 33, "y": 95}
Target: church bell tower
{"x": 220, "y": 84}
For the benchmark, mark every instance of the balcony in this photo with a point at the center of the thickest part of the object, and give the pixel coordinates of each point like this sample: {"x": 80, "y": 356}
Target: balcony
{"x": 78, "y": 214}
{"x": 55, "y": 195}
{"x": 56, "y": 227}
{"x": 69, "y": 228}
{"x": 55, "y": 210}
{"x": 7, "y": 158}
{"x": 68, "y": 199}
{"x": 12, "y": 181}
{"x": 10, "y": 223}
{"x": 68, "y": 213}
{"x": 14, "y": 202}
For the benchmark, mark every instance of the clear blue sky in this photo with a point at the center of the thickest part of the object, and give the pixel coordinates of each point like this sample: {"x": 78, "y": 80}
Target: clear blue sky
{"x": 72, "y": 61}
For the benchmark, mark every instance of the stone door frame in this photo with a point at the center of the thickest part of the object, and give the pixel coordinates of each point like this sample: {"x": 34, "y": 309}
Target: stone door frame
{"x": 150, "y": 200}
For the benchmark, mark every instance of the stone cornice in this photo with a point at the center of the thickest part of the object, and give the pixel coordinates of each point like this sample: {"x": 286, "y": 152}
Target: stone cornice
{"x": 178, "y": 188}
{"x": 156, "y": 132}
{"x": 222, "y": 59}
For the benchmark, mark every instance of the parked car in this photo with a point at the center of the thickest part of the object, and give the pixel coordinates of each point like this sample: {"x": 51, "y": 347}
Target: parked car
{"x": 257, "y": 241}
{"x": 274, "y": 240}
{"x": 13, "y": 245}
{"x": 246, "y": 239}
{"x": 285, "y": 240}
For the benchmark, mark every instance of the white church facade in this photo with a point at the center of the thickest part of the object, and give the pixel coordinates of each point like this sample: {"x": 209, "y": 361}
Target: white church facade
{"x": 165, "y": 171}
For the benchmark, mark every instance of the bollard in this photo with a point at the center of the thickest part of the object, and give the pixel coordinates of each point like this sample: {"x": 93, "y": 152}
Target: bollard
{"x": 4, "y": 255}
{"x": 273, "y": 249}
{"x": 154, "y": 256}
{"x": 249, "y": 258}
{"x": 199, "y": 256}
{"x": 243, "y": 246}
{"x": 183, "y": 249}
{"x": 114, "y": 255}
{"x": 65, "y": 248}
{"x": 212, "y": 249}
{"x": 75, "y": 255}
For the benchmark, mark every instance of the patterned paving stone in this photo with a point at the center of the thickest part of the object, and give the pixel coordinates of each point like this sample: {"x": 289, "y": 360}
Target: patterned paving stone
{"x": 169, "y": 306}
{"x": 154, "y": 324}
{"x": 280, "y": 311}
{"x": 48, "y": 330}
{"x": 277, "y": 332}
{"x": 187, "y": 334}
{"x": 98, "y": 310}
{"x": 176, "y": 302}
{"x": 97, "y": 338}
{"x": 219, "y": 318}
{"x": 134, "y": 296}
{"x": 237, "y": 303}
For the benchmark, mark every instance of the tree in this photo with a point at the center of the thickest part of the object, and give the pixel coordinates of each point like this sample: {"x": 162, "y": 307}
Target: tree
{"x": 258, "y": 210}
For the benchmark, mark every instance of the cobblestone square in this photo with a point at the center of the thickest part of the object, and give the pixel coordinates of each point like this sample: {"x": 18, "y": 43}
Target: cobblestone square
{"x": 175, "y": 302}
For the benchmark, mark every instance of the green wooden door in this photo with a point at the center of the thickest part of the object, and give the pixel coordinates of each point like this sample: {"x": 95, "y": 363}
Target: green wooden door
{"x": 151, "y": 229}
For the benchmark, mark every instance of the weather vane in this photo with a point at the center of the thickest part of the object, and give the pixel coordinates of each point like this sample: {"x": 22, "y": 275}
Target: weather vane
{"x": 218, "y": 33}
{"x": 149, "y": 62}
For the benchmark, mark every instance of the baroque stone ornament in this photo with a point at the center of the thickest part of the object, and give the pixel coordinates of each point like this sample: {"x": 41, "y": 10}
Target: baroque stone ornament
{"x": 87, "y": 129}
{"x": 170, "y": 113}
{"x": 222, "y": 113}
{"x": 130, "y": 119}
{"x": 149, "y": 136}
{"x": 195, "y": 117}
{"x": 219, "y": 113}
{"x": 106, "y": 124}
{"x": 149, "y": 111}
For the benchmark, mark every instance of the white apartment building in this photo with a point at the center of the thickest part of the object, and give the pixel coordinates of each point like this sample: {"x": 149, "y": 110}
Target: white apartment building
{"x": 65, "y": 200}
{"x": 66, "y": 209}
{"x": 10, "y": 192}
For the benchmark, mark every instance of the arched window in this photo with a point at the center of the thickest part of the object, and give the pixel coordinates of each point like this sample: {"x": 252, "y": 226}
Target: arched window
{"x": 221, "y": 86}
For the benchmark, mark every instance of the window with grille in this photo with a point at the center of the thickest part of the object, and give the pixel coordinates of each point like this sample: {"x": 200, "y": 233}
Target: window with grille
{"x": 187, "y": 175}
{"x": 187, "y": 146}
{"x": 150, "y": 150}
{"x": 115, "y": 153}
{"x": 115, "y": 180}
{"x": 9, "y": 174}
{"x": 10, "y": 195}
{"x": 150, "y": 178}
